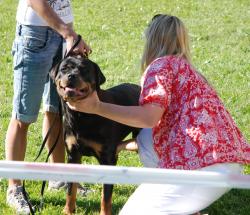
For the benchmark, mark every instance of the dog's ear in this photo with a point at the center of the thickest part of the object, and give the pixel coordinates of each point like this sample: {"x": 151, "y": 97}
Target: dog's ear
{"x": 53, "y": 72}
{"x": 100, "y": 78}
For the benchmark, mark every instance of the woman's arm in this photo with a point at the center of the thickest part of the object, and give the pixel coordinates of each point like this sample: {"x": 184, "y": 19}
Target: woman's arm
{"x": 146, "y": 116}
{"x": 43, "y": 9}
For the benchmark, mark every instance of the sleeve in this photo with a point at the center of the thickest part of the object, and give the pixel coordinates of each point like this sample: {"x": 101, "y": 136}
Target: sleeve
{"x": 157, "y": 84}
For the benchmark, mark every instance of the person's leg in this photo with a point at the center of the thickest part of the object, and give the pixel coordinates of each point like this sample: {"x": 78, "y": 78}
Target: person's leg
{"x": 15, "y": 144}
{"x": 163, "y": 199}
{"x": 52, "y": 120}
{"x": 147, "y": 154}
{"x": 166, "y": 199}
{"x": 128, "y": 145}
{"x": 15, "y": 147}
{"x": 31, "y": 66}
{"x": 159, "y": 199}
{"x": 51, "y": 102}
{"x": 58, "y": 154}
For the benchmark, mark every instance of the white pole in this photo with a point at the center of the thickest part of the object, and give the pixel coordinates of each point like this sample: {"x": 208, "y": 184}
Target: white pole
{"x": 118, "y": 174}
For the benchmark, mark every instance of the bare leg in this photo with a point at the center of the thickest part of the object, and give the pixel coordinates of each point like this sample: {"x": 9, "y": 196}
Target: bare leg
{"x": 15, "y": 144}
{"x": 58, "y": 155}
{"x": 16, "y": 141}
{"x": 129, "y": 145}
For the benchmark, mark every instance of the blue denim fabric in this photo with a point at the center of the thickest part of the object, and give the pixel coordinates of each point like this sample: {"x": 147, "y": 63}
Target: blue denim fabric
{"x": 35, "y": 50}
{"x": 147, "y": 154}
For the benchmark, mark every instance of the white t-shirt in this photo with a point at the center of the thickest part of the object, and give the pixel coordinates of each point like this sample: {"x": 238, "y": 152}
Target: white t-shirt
{"x": 27, "y": 16}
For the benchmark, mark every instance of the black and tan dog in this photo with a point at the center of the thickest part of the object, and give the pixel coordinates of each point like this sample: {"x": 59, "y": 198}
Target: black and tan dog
{"x": 77, "y": 77}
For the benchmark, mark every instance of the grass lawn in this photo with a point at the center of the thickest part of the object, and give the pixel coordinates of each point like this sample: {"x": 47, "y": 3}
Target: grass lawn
{"x": 220, "y": 41}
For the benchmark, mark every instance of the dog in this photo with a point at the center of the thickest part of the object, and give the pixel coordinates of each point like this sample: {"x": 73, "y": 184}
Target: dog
{"x": 76, "y": 77}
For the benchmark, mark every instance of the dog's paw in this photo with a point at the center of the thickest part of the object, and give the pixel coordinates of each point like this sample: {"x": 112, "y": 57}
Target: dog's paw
{"x": 68, "y": 211}
{"x": 102, "y": 212}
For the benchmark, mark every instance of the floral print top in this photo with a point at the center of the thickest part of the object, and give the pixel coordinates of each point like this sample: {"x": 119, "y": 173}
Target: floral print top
{"x": 195, "y": 130}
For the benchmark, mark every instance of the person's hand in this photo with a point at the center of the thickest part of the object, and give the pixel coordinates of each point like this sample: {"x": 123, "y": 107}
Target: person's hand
{"x": 88, "y": 105}
{"x": 46, "y": 12}
{"x": 82, "y": 47}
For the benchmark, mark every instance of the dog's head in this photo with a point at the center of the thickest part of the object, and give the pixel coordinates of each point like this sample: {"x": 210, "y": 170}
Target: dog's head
{"x": 76, "y": 77}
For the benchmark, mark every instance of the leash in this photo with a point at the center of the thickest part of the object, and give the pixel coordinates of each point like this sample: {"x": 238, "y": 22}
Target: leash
{"x": 47, "y": 158}
{"x": 67, "y": 54}
{"x": 70, "y": 53}
{"x": 75, "y": 44}
{"x": 32, "y": 211}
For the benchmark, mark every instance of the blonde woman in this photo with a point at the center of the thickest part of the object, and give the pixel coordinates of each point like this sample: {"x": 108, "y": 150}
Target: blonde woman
{"x": 186, "y": 126}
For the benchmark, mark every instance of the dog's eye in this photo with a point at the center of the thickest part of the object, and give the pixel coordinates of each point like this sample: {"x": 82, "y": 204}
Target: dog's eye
{"x": 64, "y": 70}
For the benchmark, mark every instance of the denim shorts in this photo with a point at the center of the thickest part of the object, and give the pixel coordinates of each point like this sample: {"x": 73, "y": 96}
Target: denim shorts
{"x": 36, "y": 49}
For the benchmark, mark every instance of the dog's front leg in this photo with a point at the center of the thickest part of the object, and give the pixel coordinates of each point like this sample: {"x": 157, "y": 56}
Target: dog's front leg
{"x": 106, "y": 201}
{"x": 108, "y": 158}
{"x": 74, "y": 157}
{"x": 70, "y": 205}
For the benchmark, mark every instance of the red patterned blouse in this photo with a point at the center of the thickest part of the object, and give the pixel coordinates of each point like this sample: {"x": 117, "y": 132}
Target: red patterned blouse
{"x": 195, "y": 130}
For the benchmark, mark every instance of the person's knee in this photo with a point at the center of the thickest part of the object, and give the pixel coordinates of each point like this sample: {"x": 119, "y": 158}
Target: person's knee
{"x": 20, "y": 125}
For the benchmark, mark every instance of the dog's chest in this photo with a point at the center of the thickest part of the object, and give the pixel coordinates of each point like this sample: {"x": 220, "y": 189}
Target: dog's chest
{"x": 92, "y": 135}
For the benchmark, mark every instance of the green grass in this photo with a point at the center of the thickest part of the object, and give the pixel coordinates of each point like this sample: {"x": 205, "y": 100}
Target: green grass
{"x": 220, "y": 41}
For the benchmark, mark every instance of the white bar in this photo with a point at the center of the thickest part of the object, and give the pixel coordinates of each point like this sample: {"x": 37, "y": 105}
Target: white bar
{"x": 118, "y": 174}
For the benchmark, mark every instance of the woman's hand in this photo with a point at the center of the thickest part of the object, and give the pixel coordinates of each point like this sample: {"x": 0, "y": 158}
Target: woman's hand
{"x": 88, "y": 105}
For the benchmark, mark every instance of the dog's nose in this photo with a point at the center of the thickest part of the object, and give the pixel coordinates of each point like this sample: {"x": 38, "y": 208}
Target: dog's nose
{"x": 71, "y": 77}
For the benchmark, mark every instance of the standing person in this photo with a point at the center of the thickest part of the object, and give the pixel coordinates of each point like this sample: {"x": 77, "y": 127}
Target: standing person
{"x": 41, "y": 28}
{"x": 186, "y": 126}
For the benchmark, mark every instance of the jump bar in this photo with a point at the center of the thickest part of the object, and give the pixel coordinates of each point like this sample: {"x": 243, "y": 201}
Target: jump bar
{"x": 118, "y": 174}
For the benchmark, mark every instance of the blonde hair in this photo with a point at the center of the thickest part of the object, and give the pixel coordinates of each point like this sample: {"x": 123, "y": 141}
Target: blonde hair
{"x": 165, "y": 35}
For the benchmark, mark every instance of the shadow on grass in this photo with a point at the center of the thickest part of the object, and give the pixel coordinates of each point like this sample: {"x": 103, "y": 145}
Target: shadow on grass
{"x": 54, "y": 202}
{"x": 235, "y": 202}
